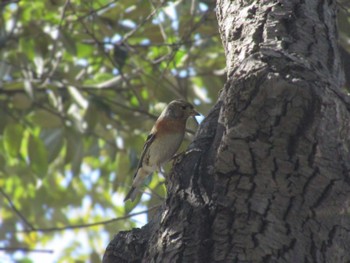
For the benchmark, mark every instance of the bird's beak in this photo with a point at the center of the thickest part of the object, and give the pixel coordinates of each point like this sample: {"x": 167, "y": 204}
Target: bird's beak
{"x": 195, "y": 113}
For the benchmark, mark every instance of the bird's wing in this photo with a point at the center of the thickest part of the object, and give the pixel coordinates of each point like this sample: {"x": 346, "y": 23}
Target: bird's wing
{"x": 149, "y": 140}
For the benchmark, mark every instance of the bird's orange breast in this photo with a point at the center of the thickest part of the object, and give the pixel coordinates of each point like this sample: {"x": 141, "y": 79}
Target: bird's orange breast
{"x": 170, "y": 126}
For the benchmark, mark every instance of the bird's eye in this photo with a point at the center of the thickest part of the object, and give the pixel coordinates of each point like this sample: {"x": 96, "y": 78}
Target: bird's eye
{"x": 183, "y": 107}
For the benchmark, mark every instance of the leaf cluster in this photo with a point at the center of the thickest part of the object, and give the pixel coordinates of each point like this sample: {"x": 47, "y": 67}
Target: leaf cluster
{"x": 81, "y": 83}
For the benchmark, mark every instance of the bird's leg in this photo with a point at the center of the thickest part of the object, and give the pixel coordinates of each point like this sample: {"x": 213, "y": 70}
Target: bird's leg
{"x": 176, "y": 156}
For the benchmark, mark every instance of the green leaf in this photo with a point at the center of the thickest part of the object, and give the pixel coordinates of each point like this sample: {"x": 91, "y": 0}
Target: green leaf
{"x": 26, "y": 48}
{"x": 69, "y": 42}
{"x": 37, "y": 156}
{"x": 179, "y": 58}
{"x": 129, "y": 206}
{"x": 75, "y": 151}
{"x": 25, "y": 260}
{"x": 53, "y": 140}
{"x": 91, "y": 116}
{"x": 2, "y": 161}
{"x": 13, "y": 139}
{"x": 45, "y": 119}
{"x": 83, "y": 50}
{"x": 21, "y": 101}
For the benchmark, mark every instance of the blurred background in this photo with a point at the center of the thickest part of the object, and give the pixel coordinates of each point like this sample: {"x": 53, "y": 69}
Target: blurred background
{"x": 81, "y": 84}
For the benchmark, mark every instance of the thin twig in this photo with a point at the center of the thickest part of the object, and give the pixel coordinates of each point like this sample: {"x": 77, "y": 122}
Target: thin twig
{"x": 56, "y": 63}
{"x": 24, "y": 249}
{"x": 144, "y": 21}
{"x": 94, "y": 11}
{"x": 183, "y": 38}
{"x": 106, "y": 222}
{"x": 13, "y": 207}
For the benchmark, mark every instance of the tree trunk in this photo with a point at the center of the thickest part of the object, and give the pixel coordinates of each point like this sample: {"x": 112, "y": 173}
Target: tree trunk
{"x": 267, "y": 178}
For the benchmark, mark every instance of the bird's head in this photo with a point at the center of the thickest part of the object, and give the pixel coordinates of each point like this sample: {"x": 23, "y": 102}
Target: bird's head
{"x": 180, "y": 109}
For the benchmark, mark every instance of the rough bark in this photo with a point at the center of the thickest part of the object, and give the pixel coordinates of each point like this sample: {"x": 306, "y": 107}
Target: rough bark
{"x": 345, "y": 55}
{"x": 267, "y": 178}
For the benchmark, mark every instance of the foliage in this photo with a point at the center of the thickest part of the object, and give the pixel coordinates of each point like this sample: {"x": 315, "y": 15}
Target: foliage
{"x": 81, "y": 83}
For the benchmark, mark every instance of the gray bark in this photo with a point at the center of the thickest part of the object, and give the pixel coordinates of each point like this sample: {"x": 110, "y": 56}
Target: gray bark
{"x": 267, "y": 178}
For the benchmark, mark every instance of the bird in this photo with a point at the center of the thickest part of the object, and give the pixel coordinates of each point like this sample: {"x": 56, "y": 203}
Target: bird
{"x": 162, "y": 143}
{"x": 120, "y": 54}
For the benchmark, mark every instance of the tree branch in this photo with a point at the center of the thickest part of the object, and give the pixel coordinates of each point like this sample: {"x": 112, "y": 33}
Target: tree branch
{"x": 25, "y": 249}
{"x": 14, "y": 208}
{"x": 106, "y": 222}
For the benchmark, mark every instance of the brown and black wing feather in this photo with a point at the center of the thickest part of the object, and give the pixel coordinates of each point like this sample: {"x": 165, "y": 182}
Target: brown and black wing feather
{"x": 149, "y": 140}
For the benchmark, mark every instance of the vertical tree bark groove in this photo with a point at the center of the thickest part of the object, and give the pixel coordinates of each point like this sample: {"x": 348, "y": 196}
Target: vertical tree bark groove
{"x": 267, "y": 177}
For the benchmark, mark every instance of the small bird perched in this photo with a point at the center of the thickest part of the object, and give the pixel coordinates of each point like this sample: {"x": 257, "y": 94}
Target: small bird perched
{"x": 163, "y": 141}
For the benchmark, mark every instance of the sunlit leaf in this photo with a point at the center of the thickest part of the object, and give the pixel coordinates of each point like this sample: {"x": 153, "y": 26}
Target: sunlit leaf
{"x": 53, "y": 140}
{"x": 13, "y": 139}
{"x": 45, "y": 119}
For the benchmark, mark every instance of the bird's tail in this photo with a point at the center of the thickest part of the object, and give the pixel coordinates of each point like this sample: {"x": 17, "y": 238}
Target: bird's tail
{"x": 136, "y": 184}
{"x": 131, "y": 194}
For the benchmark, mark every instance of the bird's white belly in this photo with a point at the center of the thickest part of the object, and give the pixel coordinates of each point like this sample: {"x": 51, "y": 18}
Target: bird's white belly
{"x": 165, "y": 149}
